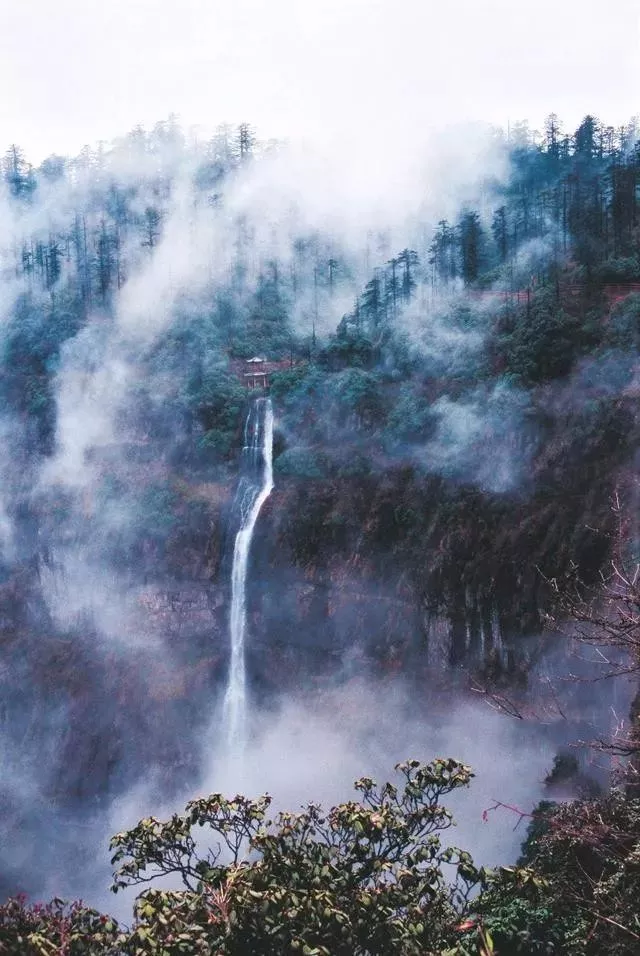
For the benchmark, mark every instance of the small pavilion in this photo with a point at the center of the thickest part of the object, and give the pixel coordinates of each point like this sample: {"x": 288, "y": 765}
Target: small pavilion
{"x": 256, "y": 375}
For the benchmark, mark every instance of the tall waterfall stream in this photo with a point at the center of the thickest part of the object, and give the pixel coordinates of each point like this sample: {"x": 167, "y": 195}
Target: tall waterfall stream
{"x": 254, "y": 488}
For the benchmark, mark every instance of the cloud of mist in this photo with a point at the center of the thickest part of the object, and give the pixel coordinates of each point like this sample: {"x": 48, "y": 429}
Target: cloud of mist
{"x": 267, "y": 207}
{"x": 312, "y": 748}
{"x": 483, "y": 438}
{"x": 365, "y": 211}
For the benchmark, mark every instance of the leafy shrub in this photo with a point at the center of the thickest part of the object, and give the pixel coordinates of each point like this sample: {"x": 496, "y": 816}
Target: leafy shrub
{"x": 222, "y": 442}
{"x": 56, "y": 929}
{"x": 579, "y": 892}
{"x": 28, "y": 362}
{"x": 218, "y": 399}
{"x": 521, "y": 918}
{"x": 366, "y": 877}
{"x": 156, "y": 511}
{"x": 352, "y": 465}
{"x": 543, "y": 343}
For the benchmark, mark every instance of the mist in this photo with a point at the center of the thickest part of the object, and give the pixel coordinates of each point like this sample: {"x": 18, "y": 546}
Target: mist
{"x": 330, "y": 739}
{"x": 137, "y": 279}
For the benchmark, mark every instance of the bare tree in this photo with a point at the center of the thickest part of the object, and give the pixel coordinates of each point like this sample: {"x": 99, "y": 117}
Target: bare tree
{"x": 605, "y": 615}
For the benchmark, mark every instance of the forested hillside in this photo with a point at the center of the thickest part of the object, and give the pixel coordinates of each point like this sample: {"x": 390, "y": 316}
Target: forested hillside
{"x": 456, "y": 405}
{"x": 488, "y": 374}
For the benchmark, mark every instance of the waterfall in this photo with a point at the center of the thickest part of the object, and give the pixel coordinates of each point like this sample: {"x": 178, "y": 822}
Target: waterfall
{"x": 254, "y": 488}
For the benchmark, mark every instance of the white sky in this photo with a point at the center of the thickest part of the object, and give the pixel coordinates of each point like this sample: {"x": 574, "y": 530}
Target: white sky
{"x": 76, "y": 71}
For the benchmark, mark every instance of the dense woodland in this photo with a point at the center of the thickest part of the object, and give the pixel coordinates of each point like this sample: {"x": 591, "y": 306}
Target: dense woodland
{"x": 457, "y": 415}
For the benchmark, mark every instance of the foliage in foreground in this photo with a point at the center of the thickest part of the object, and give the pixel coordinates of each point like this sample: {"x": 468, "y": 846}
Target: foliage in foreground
{"x": 580, "y": 891}
{"x": 369, "y": 877}
{"x": 366, "y": 877}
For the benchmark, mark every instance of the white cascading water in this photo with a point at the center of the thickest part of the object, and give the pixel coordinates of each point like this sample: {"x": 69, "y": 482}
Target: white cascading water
{"x": 254, "y": 489}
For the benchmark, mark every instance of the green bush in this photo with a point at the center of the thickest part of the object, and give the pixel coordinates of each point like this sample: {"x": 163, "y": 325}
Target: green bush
{"x": 344, "y": 351}
{"x": 369, "y": 877}
{"x": 579, "y": 891}
{"x": 218, "y": 398}
{"x": 222, "y": 442}
{"x": 544, "y": 342}
{"x": 56, "y": 929}
{"x": 352, "y": 465}
{"x": 366, "y": 877}
{"x": 156, "y": 510}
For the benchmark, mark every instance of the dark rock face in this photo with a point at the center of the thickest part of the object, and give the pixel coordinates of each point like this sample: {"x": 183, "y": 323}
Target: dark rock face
{"x": 402, "y": 568}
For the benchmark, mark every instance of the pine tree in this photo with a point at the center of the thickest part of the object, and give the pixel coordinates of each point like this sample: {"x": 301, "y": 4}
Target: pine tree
{"x": 470, "y": 238}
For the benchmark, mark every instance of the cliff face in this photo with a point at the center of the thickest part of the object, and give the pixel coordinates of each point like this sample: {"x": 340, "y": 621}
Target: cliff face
{"x": 394, "y": 569}
{"x": 403, "y": 566}
{"x": 95, "y": 694}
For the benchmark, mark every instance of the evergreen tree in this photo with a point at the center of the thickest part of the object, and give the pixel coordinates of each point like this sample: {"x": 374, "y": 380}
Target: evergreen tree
{"x": 470, "y": 238}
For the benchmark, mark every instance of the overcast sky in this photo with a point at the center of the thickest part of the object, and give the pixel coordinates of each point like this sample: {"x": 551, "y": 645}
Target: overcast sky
{"x": 77, "y": 71}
